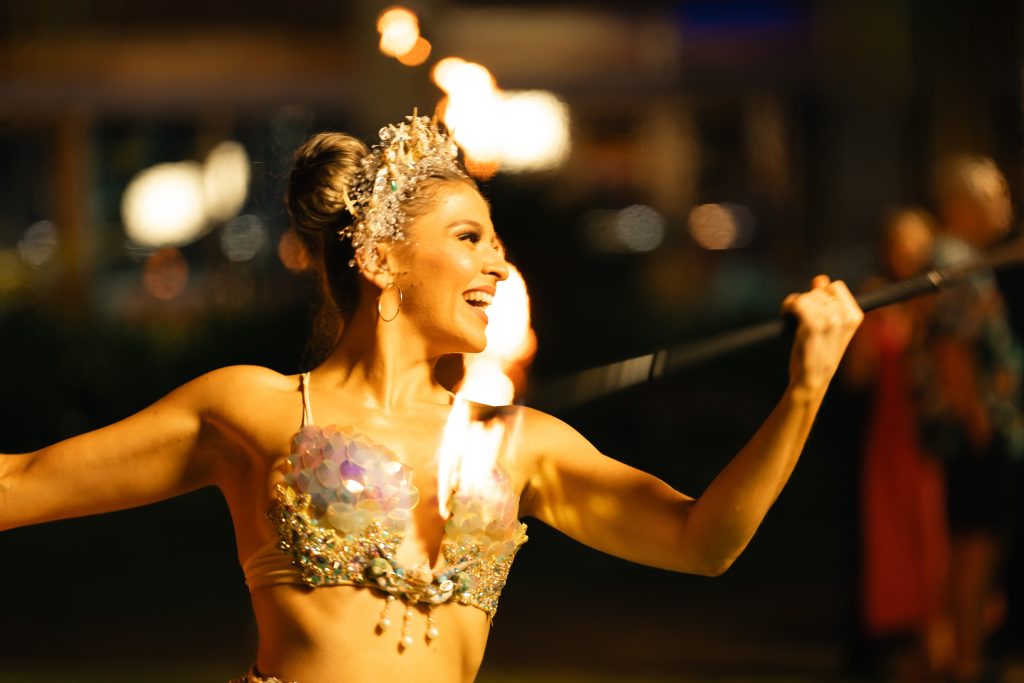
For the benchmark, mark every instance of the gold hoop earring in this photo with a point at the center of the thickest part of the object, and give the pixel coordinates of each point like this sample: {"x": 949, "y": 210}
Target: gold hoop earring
{"x": 380, "y": 313}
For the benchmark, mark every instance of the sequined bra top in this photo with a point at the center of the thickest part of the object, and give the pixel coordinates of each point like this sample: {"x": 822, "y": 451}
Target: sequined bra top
{"x": 345, "y": 507}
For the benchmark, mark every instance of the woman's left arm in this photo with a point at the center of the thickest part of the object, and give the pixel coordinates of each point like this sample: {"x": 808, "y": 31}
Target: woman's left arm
{"x": 623, "y": 511}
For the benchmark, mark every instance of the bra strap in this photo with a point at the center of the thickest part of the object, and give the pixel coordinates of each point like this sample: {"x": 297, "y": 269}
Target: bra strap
{"x": 307, "y": 411}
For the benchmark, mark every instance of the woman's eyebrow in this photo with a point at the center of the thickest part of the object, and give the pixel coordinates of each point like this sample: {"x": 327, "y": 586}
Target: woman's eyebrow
{"x": 468, "y": 221}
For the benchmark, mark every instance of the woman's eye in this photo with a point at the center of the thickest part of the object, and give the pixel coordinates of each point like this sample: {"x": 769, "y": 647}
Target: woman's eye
{"x": 472, "y": 237}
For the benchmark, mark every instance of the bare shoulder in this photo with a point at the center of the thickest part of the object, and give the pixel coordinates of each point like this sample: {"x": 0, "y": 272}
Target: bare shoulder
{"x": 544, "y": 436}
{"x": 546, "y": 428}
{"x": 241, "y": 394}
{"x": 237, "y": 382}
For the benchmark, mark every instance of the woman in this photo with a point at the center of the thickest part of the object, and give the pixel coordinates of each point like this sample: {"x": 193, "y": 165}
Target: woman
{"x": 905, "y": 542}
{"x": 409, "y": 258}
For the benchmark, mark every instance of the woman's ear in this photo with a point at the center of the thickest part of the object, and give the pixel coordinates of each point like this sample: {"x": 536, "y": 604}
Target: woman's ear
{"x": 376, "y": 269}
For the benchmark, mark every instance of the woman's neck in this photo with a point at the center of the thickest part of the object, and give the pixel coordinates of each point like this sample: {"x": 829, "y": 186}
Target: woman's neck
{"x": 386, "y": 363}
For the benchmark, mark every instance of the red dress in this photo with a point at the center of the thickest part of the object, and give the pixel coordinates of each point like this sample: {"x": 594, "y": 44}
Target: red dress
{"x": 903, "y": 511}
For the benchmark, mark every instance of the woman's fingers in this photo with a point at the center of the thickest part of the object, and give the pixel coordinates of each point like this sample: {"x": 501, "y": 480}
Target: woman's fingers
{"x": 827, "y": 316}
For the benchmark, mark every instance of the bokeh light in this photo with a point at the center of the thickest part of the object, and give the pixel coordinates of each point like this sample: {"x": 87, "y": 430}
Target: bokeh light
{"x": 164, "y": 205}
{"x": 225, "y": 180}
{"x": 637, "y": 228}
{"x": 173, "y": 204}
{"x": 419, "y": 53}
{"x": 640, "y": 228}
{"x": 471, "y": 109}
{"x": 454, "y": 76}
{"x": 517, "y": 131}
{"x": 292, "y": 252}
{"x": 39, "y": 243}
{"x": 721, "y": 226}
{"x": 399, "y": 30}
{"x": 536, "y": 127}
{"x": 243, "y": 237}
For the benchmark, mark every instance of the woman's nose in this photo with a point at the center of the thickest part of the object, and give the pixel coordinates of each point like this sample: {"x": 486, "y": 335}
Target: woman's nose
{"x": 498, "y": 267}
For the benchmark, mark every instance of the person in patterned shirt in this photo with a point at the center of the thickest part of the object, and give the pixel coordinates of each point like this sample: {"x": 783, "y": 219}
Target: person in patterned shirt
{"x": 969, "y": 390}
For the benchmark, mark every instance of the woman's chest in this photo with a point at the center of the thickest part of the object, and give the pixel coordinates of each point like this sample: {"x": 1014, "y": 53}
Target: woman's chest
{"x": 350, "y": 511}
{"x": 354, "y": 483}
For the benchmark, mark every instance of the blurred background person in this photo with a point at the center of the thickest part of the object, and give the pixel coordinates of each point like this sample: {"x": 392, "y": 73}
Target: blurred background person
{"x": 969, "y": 388}
{"x": 904, "y": 539}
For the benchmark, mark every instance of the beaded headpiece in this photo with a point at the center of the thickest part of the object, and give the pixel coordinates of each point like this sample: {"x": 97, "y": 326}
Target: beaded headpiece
{"x": 407, "y": 154}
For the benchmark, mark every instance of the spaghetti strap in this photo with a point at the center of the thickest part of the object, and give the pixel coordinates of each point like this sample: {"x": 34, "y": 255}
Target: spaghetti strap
{"x": 307, "y": 411}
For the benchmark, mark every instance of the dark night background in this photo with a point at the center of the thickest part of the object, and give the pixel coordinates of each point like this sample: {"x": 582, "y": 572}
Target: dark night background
{"x": 815, "y": 116}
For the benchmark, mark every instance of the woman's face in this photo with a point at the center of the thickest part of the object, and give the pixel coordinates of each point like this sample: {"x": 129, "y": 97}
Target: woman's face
{"x": 908, "y": 245}
{"x": 448, "y": 268}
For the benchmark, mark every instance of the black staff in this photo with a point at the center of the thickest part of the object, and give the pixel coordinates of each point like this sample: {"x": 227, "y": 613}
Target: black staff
{"x": 571, "y": 390}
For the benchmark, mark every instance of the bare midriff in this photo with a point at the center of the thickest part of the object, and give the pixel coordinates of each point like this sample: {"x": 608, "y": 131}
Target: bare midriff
{"x": 331, "y": 635}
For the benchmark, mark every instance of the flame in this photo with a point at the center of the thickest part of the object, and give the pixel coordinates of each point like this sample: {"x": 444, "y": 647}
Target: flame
{"x": 509, "y": 335}
{"x": 470, "y": 446}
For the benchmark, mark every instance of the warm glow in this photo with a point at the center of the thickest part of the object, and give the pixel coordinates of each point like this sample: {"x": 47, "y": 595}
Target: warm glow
{"x": 172, "y": 204}
{"x": 471, "y": 117}
{"x": 508, "y": 330}
{"x": 516, "y": 130}
{"x": 225, "y": 181}
{"x": 470, "y": 447}
{"x": 510, "y": 339}
{"x": 418, "y": 54}
{"x": 164, "y": 205}
{"x": 721, "y": 226}
{"x": 443, "y": 73}
{"x": 481, "y": 170}
{"x": 471, "y": 108}
{"x": 292, "y": 252}
{"x": 165, "y": 274}
{"x": 469, "y": 450}
{"x": 533, "y": 131}
{"x": 454, "y": 75}
{"x": 485, "y": 381}
{"x": 399, "y": 31}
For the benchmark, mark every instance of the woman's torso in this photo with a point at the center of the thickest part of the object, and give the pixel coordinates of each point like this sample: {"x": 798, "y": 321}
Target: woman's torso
{"x": 331, "y": 633}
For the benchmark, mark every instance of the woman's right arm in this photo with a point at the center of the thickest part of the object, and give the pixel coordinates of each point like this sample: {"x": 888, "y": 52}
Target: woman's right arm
{"x": 178, "y": 444}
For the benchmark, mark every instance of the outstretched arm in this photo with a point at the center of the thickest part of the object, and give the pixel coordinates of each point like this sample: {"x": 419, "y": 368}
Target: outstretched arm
{"x": 173, "y": 446}
{"x": 623, "y": 511}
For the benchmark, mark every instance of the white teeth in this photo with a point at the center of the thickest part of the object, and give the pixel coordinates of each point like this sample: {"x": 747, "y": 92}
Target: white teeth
{"x": 478, "y": 297}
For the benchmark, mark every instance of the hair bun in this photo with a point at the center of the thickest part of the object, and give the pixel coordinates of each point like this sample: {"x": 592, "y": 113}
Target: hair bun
{"x": 324, "y": 166}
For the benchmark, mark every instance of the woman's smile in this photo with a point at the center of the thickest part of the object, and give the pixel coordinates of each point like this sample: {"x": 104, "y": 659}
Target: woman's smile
{"x": 451, "y": 265}
{"x": 479, "y": 299}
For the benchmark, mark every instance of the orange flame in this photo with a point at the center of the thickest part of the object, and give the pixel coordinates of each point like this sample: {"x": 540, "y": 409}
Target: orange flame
{"x": 470, "y": 447}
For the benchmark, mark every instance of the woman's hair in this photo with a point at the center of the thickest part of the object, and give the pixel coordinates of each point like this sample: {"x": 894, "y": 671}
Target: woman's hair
{"x": 965, "y": 175}
{"x": 325, "y": 167}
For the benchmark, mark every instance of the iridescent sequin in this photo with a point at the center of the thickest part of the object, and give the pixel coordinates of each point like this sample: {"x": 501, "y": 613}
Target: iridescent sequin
{"x": 346, "y": 506}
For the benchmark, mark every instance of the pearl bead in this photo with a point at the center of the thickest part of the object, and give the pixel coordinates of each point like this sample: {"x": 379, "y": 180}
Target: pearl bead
{"x": 432, "y": 632}
{"x": 407, "y": 641}
{"x": 384, "y": 624}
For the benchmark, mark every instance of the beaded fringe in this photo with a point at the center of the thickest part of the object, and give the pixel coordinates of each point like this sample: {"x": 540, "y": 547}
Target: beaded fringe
{"x": 254, "y": 676}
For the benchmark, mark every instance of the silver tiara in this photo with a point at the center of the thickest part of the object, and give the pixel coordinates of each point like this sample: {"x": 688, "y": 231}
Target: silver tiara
{"x": 407, "y": 154}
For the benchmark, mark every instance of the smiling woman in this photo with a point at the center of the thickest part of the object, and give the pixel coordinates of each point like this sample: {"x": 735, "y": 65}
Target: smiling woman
{"x": 365, "y": 563}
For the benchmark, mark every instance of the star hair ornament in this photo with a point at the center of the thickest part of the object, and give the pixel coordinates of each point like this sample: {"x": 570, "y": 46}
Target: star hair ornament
{"x": 408, "y": 153}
